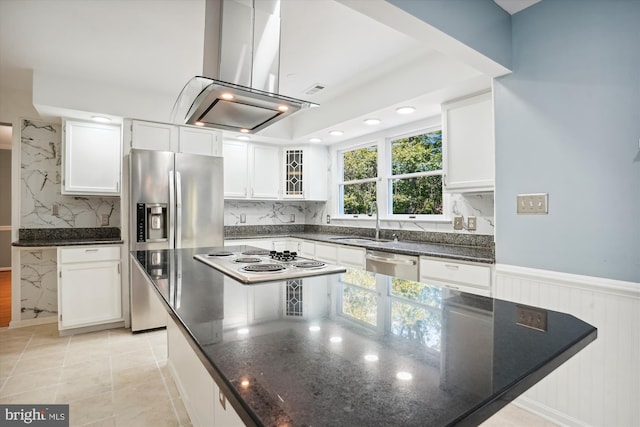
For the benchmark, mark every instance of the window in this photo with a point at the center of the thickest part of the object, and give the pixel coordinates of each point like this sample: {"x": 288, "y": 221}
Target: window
{"x": 358, "y": 184}
{"x": 409, "y": 170}
{"x": 415, "y": 183}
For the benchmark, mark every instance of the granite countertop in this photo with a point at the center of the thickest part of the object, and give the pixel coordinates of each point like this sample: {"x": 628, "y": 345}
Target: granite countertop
{"x": 317, "y": 351}
{"x": 45, "y": 237}
{"x": 460, "y": 251}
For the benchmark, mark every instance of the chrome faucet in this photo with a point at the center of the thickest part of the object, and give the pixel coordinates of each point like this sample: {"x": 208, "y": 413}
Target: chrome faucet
{"x": 373, "y": 207}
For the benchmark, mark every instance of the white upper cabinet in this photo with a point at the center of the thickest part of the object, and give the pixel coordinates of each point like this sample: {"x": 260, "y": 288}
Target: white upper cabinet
{"x": 468, "y": 138}
{"x": 91, "y": 158}
{"x": 265, "y": 172}
{"x": 306, "y": 172}
{"x": 177, "y": 139}
{"x": 251, "y": 171}
{"x": 154, "y": 136}
{"x": 207, "y": 142}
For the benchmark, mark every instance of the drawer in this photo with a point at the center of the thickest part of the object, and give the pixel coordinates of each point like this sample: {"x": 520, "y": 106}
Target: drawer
{"x": 455, "y": 272}
{"x": 351, "y": 257}
{"x": 89, "y": 253}
{"x": 327, "y": 253}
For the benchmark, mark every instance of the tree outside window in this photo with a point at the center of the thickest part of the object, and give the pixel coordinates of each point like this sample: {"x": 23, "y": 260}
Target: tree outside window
{"x": 416, "y": 174}
{"x": 358, "y": 187}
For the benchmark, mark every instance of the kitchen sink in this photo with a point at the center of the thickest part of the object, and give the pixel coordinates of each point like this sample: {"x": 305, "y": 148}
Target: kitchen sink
{"x": 360, "y": 240}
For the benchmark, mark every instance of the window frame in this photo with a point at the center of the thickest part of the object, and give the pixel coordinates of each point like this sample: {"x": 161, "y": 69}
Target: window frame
{"x": 382, "y": 140}
{"x": 388, "y": 177}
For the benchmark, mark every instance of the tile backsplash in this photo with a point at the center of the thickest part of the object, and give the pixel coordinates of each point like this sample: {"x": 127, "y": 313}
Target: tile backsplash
{"x": 40, "y": 186}
{"x": 315, "y": 213}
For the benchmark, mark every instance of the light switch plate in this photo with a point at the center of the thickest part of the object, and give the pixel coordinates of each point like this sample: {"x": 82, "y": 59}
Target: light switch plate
{"x": 105, "y": 220}
{"x": 457, "y": 222}
{"x": 533, "y": 204}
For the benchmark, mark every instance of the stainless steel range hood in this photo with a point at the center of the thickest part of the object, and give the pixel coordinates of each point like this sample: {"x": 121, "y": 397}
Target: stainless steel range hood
{"x": 241, "y": 62}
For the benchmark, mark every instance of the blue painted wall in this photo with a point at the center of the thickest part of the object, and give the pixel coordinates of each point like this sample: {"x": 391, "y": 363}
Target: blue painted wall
{"x": 568, "y": 123}
{"x": 480, "y": 24}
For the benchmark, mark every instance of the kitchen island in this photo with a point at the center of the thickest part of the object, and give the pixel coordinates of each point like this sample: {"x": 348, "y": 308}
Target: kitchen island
{"x": 352, "y": 349}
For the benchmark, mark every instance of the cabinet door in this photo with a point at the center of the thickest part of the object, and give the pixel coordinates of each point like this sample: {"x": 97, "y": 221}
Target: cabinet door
{"x": 91, "y": 159}
{"x": 225, "y": 415}
{"x": 154, "y": 136}
{"x": 90, "y": 293}
{"x": 295, "y": 173}
{"x": 467, "y": 133}
{"x": 235, "y": 169}
{"x": 206, "y": 142}
{"x": 265, "y": 177}
{"x": 326, "y": 252}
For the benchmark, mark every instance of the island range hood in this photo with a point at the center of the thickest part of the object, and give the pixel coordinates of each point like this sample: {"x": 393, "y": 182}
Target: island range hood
{"x": 242, "y": 67}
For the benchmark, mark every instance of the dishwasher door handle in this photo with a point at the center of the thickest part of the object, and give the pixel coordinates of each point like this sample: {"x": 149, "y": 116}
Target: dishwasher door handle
{"x": 391, "y": 260}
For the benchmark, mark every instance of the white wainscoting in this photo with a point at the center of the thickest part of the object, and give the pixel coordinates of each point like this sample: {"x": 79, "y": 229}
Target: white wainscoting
{"x": 600, "y": 386}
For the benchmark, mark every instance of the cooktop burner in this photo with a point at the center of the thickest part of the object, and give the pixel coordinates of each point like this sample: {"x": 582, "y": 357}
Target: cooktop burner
{"x": 247, "y": 260}
{"x": 263, "y": 268}
{"x": 259, "y": 252}
{"x": 220, "y": 254}
{"x": 308, "y": 264}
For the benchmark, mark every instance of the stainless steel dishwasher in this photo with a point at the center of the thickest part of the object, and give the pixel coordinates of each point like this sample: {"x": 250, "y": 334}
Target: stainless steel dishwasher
{"x": 400, "y": 266}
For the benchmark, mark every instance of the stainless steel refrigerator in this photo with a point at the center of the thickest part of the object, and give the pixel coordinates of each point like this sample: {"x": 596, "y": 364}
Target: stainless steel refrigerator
{"x": 176, "y": 201}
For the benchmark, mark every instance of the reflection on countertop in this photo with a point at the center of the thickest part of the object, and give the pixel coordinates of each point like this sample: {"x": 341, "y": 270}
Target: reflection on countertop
{"x": 361, "y": 348}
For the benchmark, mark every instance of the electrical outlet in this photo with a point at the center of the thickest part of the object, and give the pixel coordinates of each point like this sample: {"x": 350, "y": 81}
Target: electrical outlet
{"x": 105, "y": 220}
{"x": 292, "y": 218}
{"x": 471, "y": 223}
{"x": 328, "y": 219}
{"x": 531, "y": 317}
{"x": 457, "y": 222}
{"x": 54, "y": 209}
{"x": 243, "y": 218}
{"x": 533, "y": 204}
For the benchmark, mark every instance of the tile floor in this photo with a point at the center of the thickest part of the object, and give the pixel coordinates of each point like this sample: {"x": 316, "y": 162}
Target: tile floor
{"x": 116, "y": 378}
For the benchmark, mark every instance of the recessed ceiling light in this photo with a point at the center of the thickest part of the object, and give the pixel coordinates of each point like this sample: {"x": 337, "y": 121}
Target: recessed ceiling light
{"x": 243, "y": 138}
{"x": 199, "y": 124}
{"x": 282, "y": 108}
{"x": 226, "y": 95}
{"x": 101, "y": 119}
{"x": 405, "y": 110}
{"x": 244, "y": 130}
{"x": 372, "y": 121}
{"x": 315, "y": 140}
{"x": 336, "y": 133}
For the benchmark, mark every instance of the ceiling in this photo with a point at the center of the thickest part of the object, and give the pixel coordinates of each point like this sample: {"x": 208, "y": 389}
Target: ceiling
{"x": 368, "y": 68}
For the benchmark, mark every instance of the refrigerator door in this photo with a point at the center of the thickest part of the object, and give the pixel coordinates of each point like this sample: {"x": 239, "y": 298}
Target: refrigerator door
{"x": 149, "y": 184}
{"x": 199, "y": 201}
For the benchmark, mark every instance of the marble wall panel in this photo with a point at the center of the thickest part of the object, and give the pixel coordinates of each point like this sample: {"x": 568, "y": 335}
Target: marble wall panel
{"x": 41, "y": 177}
{"x": 38, "y": 284}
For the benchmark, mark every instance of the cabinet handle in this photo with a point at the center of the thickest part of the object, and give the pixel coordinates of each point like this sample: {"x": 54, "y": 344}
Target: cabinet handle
{"x": 91, "y": 250}
{"x": 452, "y": 287}
{"x": 452, "y": 267}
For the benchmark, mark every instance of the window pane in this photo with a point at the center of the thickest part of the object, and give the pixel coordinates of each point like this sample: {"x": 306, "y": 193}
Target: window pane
{"x": 416, "y": 324}
{"x": 361, "y": 278}
{"x": 418, "y": 153}
{"x": 417, "y": 196}
{"x": 360, "y": 164}
{"x": 417, "y": 292}
{"x": 357, "y": 198}
{"x": 360, "y": 304}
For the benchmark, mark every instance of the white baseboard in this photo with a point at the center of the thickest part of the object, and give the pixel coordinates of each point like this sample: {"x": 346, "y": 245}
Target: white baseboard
{"x": 544, "y": 411}
{"x": 33, "y": 322}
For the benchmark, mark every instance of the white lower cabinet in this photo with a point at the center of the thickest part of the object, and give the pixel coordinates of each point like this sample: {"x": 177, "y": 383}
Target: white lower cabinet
{"x": 351, "y": 257}
{"x": 327, "y": 252}
{"x": 89, "y": 286}
{"x": 205, "y": 403}
{"x": 463, "y": 276}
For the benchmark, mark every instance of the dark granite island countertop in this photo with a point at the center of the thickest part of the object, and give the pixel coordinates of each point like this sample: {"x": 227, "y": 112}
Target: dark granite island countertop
{"x": 360, "y": 349}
